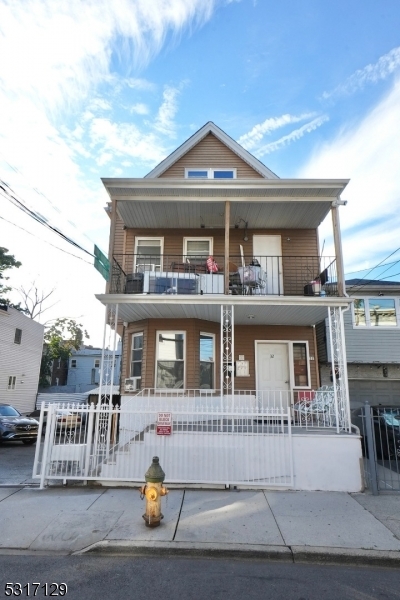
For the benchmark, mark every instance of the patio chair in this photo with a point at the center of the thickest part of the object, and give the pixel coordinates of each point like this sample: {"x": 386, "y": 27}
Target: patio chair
{"x": 319, "y": 411}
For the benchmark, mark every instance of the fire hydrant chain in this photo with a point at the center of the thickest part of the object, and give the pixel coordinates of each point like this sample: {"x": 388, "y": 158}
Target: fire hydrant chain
{"x": 153, "y": 490}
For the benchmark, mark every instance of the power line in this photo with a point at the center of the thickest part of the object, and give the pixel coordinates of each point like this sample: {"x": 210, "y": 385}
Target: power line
{"x": 373, "y": 269}
{"x": 37, "y": 217}
{"x": 45, "y": 241}
{"x": 361, "y": 270}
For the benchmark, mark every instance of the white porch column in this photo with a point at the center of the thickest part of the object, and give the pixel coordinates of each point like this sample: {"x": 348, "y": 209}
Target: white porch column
{"x": 227, "y": 351}
{"x": 339, "y": 368}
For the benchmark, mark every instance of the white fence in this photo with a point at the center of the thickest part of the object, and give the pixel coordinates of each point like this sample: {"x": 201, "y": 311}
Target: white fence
{"x": 207, "y": 445}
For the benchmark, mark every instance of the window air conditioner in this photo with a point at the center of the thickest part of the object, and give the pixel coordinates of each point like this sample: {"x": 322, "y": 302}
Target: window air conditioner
{"x": 130, "y": 384}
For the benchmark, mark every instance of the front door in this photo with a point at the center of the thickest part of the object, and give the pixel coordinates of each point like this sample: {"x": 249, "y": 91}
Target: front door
{"x": 273, "y": 376}
{"x": 267, "y": 249}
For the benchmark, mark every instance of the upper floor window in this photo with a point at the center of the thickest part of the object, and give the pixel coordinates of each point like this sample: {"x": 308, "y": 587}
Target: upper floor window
{"x": 96, "y": 363}
{"x": 375, "y": 312}
{"x": 197, "y": 247}
{"x": 210, "y": 173}
{"x": 148, "y": 253}
{"x": 18, "y": 336}
{"x": 73, "y": 363}
{"x": 11, "y": 382}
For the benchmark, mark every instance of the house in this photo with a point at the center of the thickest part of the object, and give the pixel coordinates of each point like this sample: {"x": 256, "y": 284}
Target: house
{"x": 21, "y": 343}
{"x": 84, "y": 368}
{"x": 372, "y": 332}
{"x": 217, "y": 284}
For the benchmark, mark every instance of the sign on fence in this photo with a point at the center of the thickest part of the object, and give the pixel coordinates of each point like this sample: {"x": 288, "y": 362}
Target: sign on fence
{"x": 164, "y": 423}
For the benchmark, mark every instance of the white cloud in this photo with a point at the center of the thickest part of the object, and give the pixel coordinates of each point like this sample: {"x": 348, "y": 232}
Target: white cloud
{"x": 372, "y": 73}
{"x": 293, "y": 136}
{"x": 139, "y": 108}
{"x": 254, "y": 136}
{"x": 164, "y": 122}
{"x": 369, "y": 154}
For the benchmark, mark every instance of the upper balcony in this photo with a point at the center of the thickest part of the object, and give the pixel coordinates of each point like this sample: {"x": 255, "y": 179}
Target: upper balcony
{"x": 163, "y": 274}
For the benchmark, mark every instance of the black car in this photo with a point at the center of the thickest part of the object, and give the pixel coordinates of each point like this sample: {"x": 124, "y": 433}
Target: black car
{"x": 16, "y": 428}
{"x": 386, "y": 427}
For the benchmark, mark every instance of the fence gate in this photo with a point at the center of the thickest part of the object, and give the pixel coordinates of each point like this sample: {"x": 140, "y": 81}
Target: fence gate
{"x": 203, "y": 444}
{"x": 380, "y": 431}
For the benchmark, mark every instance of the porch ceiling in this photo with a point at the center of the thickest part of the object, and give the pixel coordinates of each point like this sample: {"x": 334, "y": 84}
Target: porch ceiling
{"x": 282, "y": 311}
{"x": 263, "y": 203}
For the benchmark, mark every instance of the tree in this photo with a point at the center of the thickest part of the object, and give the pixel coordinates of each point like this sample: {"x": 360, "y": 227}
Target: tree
{"x": 33, "y": 300}
{"x": 7, "y": 261}
{"x": 61, "y": 338}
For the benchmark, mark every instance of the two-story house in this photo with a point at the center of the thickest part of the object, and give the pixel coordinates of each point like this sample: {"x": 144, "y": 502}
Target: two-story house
{"x": 84, "y": 368}
{"x": 217, "y": 284}
{"x": 21, "y": 343}
{"x": 372, "y": 332}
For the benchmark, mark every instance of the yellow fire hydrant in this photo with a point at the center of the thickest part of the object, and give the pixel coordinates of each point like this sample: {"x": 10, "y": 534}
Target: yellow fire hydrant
{"x": 153, "y": 490}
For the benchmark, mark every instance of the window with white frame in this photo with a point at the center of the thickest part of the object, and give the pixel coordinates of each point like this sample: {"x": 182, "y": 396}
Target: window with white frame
{"x": 96, "y": 363}
{"x": 301, "y": 371}
{"x": 197, "y": 247}
{"x": 375, "y": 312}
{"x": 18, "y": 336}
{"x": 218, "y": 173}
{"x": 136, "y": 359}
{"x": 11, "y": 382}
{"x": 148, "y": 253}
{"x": 73, "y": 363}
{"x": 207, "y": 360}
{"x": 170, "y": 362}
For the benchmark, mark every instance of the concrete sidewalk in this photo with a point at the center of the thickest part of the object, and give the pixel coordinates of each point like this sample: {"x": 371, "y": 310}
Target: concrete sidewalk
{"x": 294, "y": 526}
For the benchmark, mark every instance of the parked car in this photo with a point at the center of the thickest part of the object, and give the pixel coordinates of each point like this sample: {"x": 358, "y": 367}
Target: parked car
{"x": 16, "y": 428}
{"x": 386, "y": 427}
{"x": 66, "y": 419}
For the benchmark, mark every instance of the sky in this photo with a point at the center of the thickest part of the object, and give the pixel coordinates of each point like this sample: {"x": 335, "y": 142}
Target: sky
{"x": 108, "y": 88}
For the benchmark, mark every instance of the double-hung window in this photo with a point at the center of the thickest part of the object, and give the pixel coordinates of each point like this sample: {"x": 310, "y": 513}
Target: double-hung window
{"x": 197, "y": 248}
{"x": 201, "y": 173}
{"x": 375, "y": 312}
{"x": 17, "y": 336}
{"x": 148, "y": 254}
{"x": 11, "y": 382}
{"x": 207, "y": 360}
{"x": 136, "y": 359}
{"x": 170, "y": 362}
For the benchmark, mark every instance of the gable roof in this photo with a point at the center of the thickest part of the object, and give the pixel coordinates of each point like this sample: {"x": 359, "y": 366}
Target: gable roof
{"x": 210, "y": 127}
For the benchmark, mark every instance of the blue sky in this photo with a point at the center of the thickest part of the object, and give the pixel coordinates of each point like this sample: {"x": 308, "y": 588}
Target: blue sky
{"x": 105, "y": 88}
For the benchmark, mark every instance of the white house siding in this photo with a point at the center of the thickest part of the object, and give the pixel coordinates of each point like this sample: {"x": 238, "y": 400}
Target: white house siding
{"x": 80, "y": 377}
{"x": 20, "y": 360}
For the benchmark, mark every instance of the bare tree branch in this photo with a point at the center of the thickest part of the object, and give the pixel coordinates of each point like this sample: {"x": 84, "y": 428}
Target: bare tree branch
{"x": 33, "y": 300}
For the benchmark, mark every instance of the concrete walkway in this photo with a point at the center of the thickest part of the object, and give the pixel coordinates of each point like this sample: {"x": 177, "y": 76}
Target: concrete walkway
{"x": 295, "y": 526}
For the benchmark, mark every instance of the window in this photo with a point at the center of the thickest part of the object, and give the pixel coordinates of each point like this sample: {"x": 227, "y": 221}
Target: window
{"x": 97, "y": 363}
{"x": 11, "y": 382}
{"x": 93, "y": 377}
{"x": 170, "y": 364}
{"x": 18, "y": 336}
{"x": 197, "y": 247}
{"x": 73, "y": 363}
{"x": 210, "y": 173}
{"x": 300, "y": 365}
{"x": 148, "y": 253}
{"x": 136, "y": 358}
{"x": 207, "y": 351}
{"x": 375, "y": 312}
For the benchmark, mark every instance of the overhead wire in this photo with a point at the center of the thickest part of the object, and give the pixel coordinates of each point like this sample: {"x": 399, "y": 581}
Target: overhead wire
{"x": 46, "y": 242}
{"x": 360, "y": 286}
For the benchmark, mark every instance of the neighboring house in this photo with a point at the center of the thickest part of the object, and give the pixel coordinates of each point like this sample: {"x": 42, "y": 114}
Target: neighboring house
{"x": 372, "y": 332}
{"x": 21, "y": 343}
{"x": 84, "y": 369}
{"x": 217, "y": 285}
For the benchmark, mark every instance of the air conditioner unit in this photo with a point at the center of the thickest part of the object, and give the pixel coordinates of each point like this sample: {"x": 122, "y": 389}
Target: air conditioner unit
{"x": 131, "y": 384}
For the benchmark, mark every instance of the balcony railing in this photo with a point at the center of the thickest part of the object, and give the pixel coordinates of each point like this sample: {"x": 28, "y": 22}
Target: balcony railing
{"x": 262, "y": 275}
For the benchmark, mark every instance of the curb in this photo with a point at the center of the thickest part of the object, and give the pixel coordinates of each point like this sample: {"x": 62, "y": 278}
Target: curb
{"x": 295, "y": 554}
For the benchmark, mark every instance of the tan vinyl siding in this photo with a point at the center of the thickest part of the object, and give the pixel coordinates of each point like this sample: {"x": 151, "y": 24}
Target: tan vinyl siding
{"x": 211, "y": 153}
{"x": 295, "y": 243}
{"x": 245, "y": 337}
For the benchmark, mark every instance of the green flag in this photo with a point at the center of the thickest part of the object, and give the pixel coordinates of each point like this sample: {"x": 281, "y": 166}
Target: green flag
{"x": 101, "y": 263}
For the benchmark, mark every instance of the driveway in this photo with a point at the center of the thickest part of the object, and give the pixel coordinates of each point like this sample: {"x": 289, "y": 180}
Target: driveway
{"x": 16, "y": 463}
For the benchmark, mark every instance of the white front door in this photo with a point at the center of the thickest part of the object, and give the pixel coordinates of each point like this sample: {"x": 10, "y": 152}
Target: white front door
{"x": 267, "y": 249}
{"x": 273, "y": 373}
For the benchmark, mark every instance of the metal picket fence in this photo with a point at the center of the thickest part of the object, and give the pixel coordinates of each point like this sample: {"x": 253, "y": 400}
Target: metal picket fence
{"x": 209, "y": 444}
{"x": 380, "y": 437}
